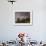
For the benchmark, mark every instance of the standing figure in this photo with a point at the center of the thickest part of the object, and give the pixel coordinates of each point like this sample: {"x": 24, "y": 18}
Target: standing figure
{"x": 21, "y": 36}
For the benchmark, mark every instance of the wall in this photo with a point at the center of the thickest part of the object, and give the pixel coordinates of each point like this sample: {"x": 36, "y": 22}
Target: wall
{"x": 9, "y": 31}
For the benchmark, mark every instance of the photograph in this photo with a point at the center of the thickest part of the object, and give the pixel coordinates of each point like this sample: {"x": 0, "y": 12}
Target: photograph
{"x": 22, "y": 22}
{"x": 23, "y": 18}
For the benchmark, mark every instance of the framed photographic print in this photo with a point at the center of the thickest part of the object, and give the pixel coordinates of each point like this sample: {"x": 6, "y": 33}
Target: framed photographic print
{"x": 23, "y": 17}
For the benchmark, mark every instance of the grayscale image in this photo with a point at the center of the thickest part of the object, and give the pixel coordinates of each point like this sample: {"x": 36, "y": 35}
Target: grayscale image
{"x": 22, "y": 17}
